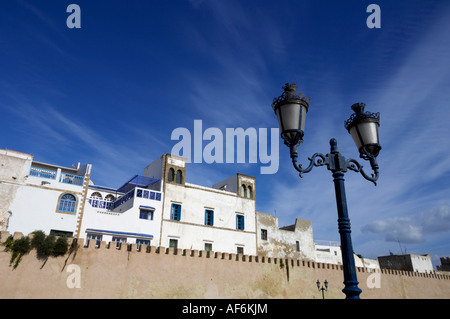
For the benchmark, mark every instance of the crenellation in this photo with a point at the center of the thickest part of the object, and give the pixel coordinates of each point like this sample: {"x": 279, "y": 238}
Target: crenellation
{"x": 92, "y": 245}
{"x": 17, "y": 235}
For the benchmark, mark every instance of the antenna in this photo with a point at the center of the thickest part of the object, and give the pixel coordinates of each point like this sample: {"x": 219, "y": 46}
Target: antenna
{"x": 401, "y": 250}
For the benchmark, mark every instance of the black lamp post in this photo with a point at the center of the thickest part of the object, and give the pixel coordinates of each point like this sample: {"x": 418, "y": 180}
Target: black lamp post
{"x": 322, "y": 288}
{"x": 291, "y": 108}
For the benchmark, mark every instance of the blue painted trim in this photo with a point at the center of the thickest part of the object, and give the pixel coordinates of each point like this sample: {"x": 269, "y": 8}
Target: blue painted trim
{"x": 110, "y": 232}
{"x": 147, "y": 207}
{"x": 103, "y": 188}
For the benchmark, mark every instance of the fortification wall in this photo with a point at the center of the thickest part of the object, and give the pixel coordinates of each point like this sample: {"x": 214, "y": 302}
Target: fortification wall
{"x": 158, "y": 272}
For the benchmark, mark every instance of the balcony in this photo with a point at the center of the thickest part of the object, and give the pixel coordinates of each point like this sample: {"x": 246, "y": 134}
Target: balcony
{"x": 71, "y": 179}
{"x": 43, "y": 173}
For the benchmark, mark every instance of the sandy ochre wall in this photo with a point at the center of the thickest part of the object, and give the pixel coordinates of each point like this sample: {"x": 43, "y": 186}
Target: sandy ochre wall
{"x": 153, "y": 272}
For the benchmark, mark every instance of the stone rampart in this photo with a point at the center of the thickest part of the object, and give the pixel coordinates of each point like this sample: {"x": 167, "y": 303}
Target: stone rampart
{"x": 108, "y": 271}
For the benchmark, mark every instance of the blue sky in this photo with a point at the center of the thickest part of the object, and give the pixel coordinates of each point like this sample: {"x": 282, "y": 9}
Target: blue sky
{"x": 112, "y": 92}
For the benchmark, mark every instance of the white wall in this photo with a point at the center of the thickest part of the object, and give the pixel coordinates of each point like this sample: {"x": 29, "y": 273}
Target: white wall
{"x": 124, "y": 218}
{"x": 422, "y": 263}
{"x": 35, "y": 208}
{"x": 191, "y": 230}
{"x": 282, "y": 242}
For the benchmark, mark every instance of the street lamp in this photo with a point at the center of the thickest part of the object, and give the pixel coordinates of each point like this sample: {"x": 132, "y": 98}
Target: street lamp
{"x": 323, "y": 289}
{"x": 291, "y": 108}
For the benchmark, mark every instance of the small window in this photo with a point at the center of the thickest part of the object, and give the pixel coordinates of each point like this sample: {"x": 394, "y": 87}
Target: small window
{"x": 146, "y": 214}
{"x": 110, "y": 198}
{"x": 96, "y": 195}
{"x": 240, "y": 250}
{"x": 171, "y": 176}
{"x": 249, "y": 192}
{"x": 96, "y": 237}
{"x": 173, "y": 243}
{"x": 179, "y": 177}
{"x": 175, "y": 213}
{"x": 67, "y": 203}
{"x": 264, "y": 234}
{"x": 208, "y": 246}
{"x": 297, "y": 245}
{"x": 140, "y": 242}
{"x": 243, "y": 190}
{"x": 119, "y": 240}
{"x": 240, "y": 222}
{"x": 209, "y": 217}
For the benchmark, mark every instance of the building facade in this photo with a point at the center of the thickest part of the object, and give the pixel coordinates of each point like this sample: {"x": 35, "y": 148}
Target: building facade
{"x": 160, "y": 208}
{"x": 408, "y": 262}
{"x": 294, "y": 241}
{"x": 218, "y": 218}
{"x": 41, "y": 196}
{"x": 131, "y": 213}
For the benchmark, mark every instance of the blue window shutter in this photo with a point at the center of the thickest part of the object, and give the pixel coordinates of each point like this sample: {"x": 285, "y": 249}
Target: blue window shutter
{"x": 240, "y": 222}
{"x": 209, "y": 217}
{"x": 176, "y": 212}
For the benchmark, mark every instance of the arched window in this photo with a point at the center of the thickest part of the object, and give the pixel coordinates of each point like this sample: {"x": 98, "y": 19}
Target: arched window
{"x": 171, "y": 176}
{"x": 110, "y": 198}
{"x": 67, "y": 203}
{"x": 243, "y": 190}
{"x": 96, "y": 195}
{"x": 179, "y": 177}
{"x": 249, "y": 192}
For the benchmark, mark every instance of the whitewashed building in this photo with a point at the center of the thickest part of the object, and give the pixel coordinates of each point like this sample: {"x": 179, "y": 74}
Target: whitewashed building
{"x": 157, "y": 208}
{"x": 41, "y": 196}
{"x": 130, "y": 214}
{"x": 218, "y": 218}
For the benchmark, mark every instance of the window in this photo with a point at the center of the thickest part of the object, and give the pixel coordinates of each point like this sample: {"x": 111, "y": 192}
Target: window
{"x": 240, "y": 222}
{"x": 209, "y": 217}
{"x": 61, "y": 233}
{"x": 240, "y": 250}
{"x": 297, "y": 245}
{"x": 243, "y": 190}
{"x": 67, "y": 203}
{"x": 264, "y": 234}
{"x": 249, "y": 192}
{"x": 96, "y": 195}
{"x": 96, "y": 237}
{"x": 179, "y": 177}
{"x": 171, "y": 176}
{"x": 146, "y": 214}
{"x": 119, "y": 240}
{"x": 208, "y": 246}
{"x": 173, "y": 243}
{"x": 140, "y": 242}
{"x": 110, "y": 198}
{"x": 175, "y": 213}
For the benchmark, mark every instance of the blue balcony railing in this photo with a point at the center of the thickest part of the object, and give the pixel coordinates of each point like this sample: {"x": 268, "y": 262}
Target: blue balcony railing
{"x": 43, "y": 173}
{"x": 71, "y": 179}
{"x": 123, "y": 199}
